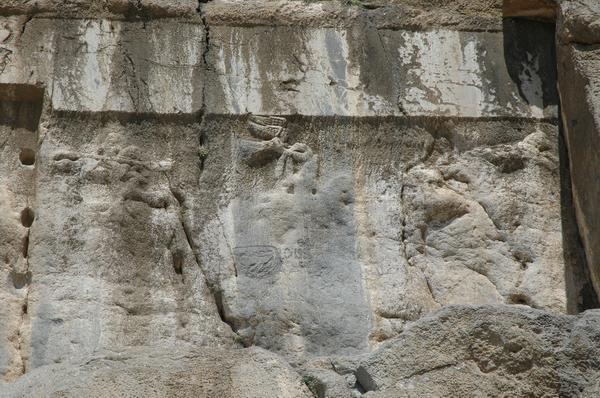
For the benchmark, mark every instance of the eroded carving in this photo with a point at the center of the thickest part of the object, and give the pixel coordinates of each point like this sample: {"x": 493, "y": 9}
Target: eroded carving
{"x": 273, "y": 133}
{"x": 257, "y": 261}
{"x": 5, "y": 55}
{"x": 268, "y": 127}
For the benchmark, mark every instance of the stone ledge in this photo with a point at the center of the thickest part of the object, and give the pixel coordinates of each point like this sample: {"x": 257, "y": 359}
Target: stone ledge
{"x": 544, "y": 9}
{"x": 113, "y": 9}
{"x": 482, "y": 15}
{"x": 140, "y": 67}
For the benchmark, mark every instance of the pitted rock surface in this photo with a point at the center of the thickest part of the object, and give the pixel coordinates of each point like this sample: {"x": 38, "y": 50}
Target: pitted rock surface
{"x": 292, "y": 198}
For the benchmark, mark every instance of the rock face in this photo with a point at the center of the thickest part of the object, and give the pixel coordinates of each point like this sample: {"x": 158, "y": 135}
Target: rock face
{"x": 179, "y": 181}
{"x": 417, "y": 215}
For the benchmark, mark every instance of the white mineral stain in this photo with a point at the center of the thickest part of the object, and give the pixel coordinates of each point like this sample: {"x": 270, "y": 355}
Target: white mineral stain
{"x": 444, "y": 75}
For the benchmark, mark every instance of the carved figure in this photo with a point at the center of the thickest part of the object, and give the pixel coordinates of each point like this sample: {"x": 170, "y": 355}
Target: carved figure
{"x": 272, "y": 133}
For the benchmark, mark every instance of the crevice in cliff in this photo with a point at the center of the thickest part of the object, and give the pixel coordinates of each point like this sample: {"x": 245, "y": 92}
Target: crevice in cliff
{"x": 403, "y": 226}
{"x": 22, "y": 280}
{"x": 214, "y": 290}
{"x": 430, "y": 289}
{"x": 206, "y": 28}
{"x": 202, "y": 151}
{"x": 25, "y": 23}
{"x": 20, "y": 333}
{"x": 581, "y": 294}
{"x": 180, "y": 198}
{"x": 430, "y": 370}
{"x": 203, "y": 154}
{"x": 219, "y": 301}
{"x": 22, "y": 107}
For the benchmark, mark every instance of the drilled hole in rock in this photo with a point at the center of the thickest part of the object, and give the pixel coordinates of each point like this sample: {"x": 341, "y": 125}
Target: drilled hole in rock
{"x": 314, "y": 191}
{"x": 178, "y": 263}
{"x": 27, "y": 157}
{"x": 290, "y": 189}
{"x": 24, "y": 308}
{"x": 27, "y": 217}
{"x": 19, "y": 279}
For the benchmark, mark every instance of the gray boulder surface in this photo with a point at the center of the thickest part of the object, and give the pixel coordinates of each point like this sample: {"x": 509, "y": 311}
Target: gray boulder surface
{"x": 487, "y": 351}
{"x": 248, "y": 373}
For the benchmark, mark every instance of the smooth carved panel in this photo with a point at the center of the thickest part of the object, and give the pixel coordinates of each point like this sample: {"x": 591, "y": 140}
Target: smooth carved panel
{"x": 257, "y": 261}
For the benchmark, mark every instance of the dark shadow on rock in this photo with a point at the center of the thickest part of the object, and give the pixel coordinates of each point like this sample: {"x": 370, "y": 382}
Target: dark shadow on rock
{"x": 531, "y": 61}
{"x": 529, "y": 46}
{"x": 21, "y": 106}
{"x": 581, "y": 295}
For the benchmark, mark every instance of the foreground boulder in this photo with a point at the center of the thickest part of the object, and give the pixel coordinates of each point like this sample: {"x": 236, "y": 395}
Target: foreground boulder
{"x": 145, "y": 373}
{"x": 488, "y": 351}
{"x": 460, "y": 351}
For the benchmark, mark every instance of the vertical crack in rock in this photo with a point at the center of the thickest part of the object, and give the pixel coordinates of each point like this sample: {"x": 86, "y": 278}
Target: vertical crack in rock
{"x": 25, "y": 23}
{"x": 428, "y": 283}
{"x": 403, "y": 231}
{"x": 23, "y": 280}
{"x": 202, "y": 151}
{"x": 27, "y": 125}
{"x": 581, "y": 295}
{"x": 21, "y": 329}
{"x": 135, "y": 101}
{"x": 186, "y": 229}
{"x": 214, "y": 291}
{"x": 206, "y": 28}
{"x": 404, "y": 238}
{"x": 24, "y": 277}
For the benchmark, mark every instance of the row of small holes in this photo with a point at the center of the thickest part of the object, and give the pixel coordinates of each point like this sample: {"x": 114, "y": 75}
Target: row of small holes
{"x": 27, "y": 158}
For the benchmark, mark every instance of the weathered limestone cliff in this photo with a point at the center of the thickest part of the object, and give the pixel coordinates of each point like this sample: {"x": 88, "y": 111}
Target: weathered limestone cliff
{"x": 282, "y": 198}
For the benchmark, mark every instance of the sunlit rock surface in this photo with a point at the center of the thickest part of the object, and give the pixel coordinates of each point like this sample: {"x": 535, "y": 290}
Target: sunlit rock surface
{"x": 268, "y": 198}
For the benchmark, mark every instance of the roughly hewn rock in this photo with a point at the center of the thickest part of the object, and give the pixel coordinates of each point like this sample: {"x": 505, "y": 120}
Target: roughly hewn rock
{"x": 579, "y": 22}
{"x": 361, "y": 71}
{"x": 162, "y": 373}
{"x": 100, "y": 66}
{"x": 530, "y": 8}
{"x": 480, "y": 15}
{"x": 129, "y": 9}
{"x": 488, "y": 351}
{"x": 108, "y": 66}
